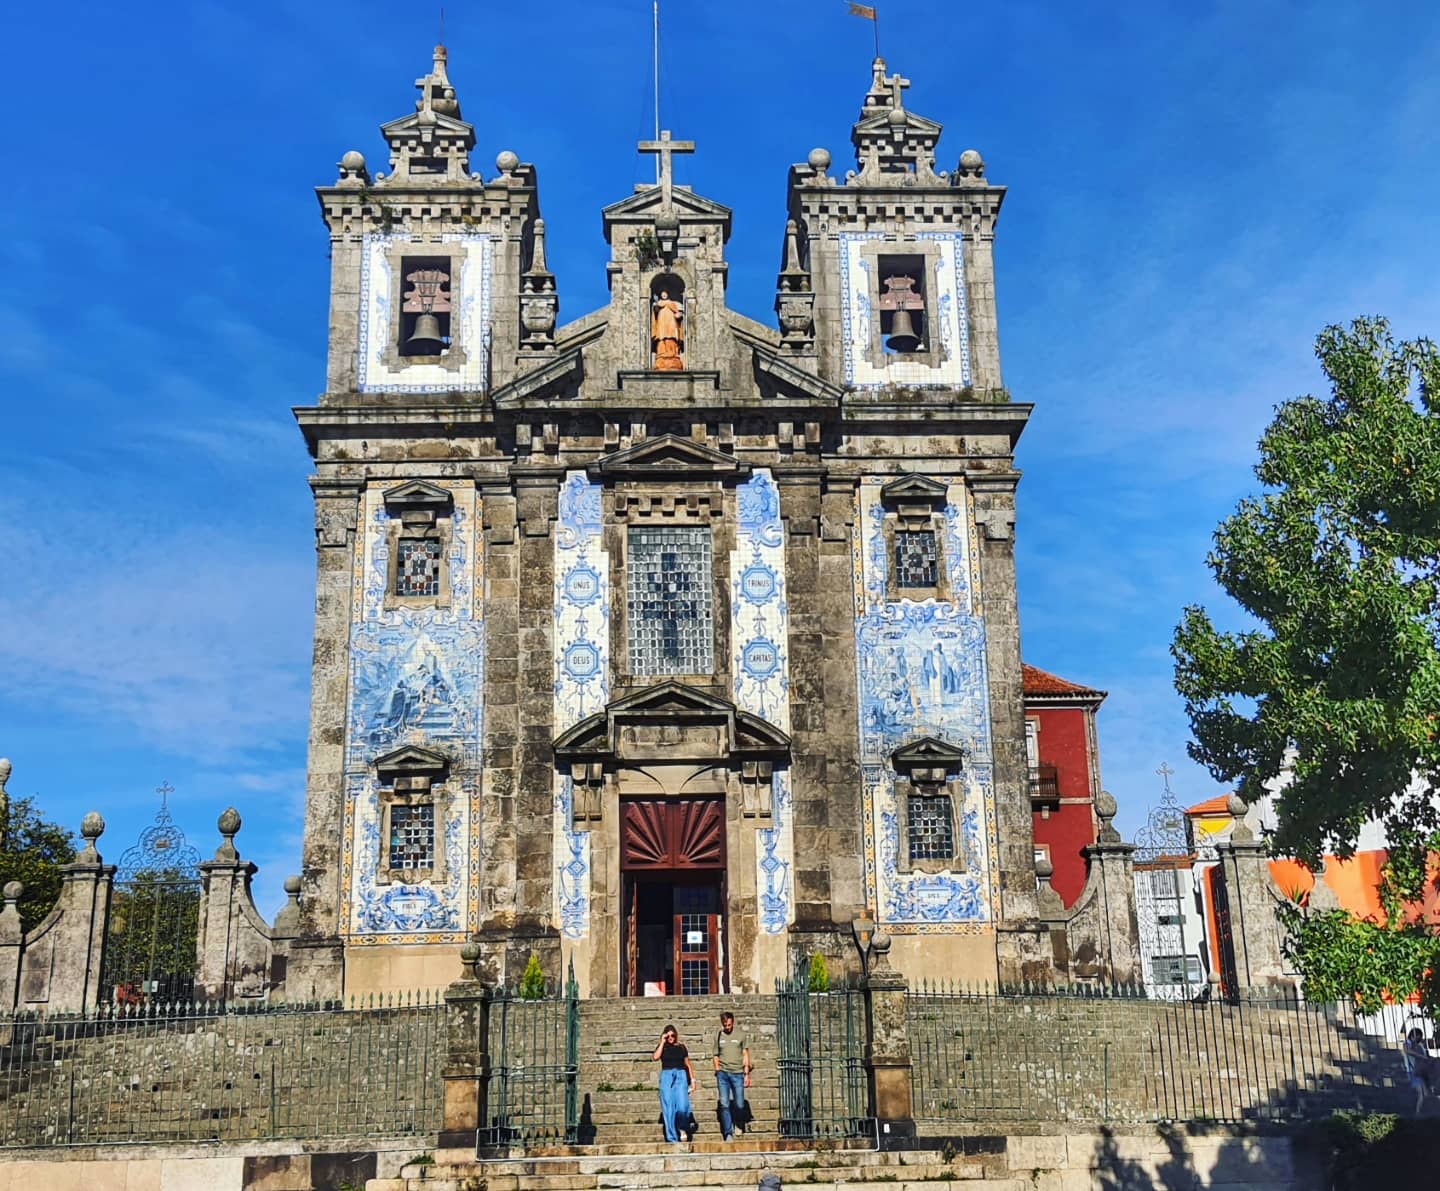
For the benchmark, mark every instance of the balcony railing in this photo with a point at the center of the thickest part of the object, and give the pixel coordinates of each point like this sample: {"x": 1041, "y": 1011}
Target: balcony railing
{"x": 1044, "y": 784}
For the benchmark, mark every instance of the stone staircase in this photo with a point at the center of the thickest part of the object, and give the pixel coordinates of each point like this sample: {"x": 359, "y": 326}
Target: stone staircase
{"x": 619, "y": 1081}
{"x": 982, "y": 1166}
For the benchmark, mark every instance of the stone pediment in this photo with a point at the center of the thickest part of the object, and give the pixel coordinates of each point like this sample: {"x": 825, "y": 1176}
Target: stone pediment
{"x": 418, "y": 494}
{"x": 672, "y": 721}
{"x": 882, "y": 121}
{"x": 685, "y": 201}
{"x": 427, "y": 121}
{"x": 668, "y": 457}
{"x": 914, "y": 489}
{"x": 410, "y": 760}
{"x": 928, "y": 752}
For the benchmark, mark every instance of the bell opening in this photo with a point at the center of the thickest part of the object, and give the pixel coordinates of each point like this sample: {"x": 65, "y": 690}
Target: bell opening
{"x": 425, "y": 305}
{"x": 902, "y": 304}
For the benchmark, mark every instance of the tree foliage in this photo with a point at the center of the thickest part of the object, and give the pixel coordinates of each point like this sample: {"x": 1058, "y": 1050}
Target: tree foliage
{"x": 532, "y": 982}
{"x": 819, "y": 973}
{"x": 154, "y": 922}
{"x": 34, "y": 853}
{"x": 1338, "y": 564}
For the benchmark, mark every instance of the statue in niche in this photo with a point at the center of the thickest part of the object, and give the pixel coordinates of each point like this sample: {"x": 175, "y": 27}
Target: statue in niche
{"x": 667, "y": 333}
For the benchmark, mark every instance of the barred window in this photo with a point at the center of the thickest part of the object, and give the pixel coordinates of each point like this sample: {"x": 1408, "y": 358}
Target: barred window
{"x": 417, "y": 569}
{"x": 1176, "y": 969}
{"x": 412, "y": 836}
{"x": 932, "y": 831}
{"x": 916, "y": 558}
{"x": 671, "y": 613}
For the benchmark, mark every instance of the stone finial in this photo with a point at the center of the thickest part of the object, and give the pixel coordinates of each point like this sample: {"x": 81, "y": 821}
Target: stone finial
{"x": 819, "y": 160}
{"x": 287, "y": 922}
{"x": 5, "y": 770}
{"x": 92, "y": 827}
{"x": 229, "y": 825}
{"x": 13, "y": 890}
{"x": 880, "y": 943}
{"x": 1237, "y": 807}
{"x": 506, "y": 162}
{"x": 12, "y": 930}
{"x": 353, "y": 171}
{"x": 971, "y": 170}
{"x": 1107, "y": 808}
{"x": 469, "y": 961}
{"x": 436, "y": 93}
{"x": 1049, "y": 900}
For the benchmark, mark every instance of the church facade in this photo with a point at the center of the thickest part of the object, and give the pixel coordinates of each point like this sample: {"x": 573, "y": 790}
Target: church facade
{"x": 663, "y": 641}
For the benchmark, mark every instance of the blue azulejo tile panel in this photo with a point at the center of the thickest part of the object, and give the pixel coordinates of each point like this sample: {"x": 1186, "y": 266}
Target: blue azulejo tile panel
{"x": 947, "y": 305}
{"x": 582, "y": 676}
{"x": 760, "y": 661}
{"x": 416, "y": 677}
{"x": 922, "y": 672}
{"x": 380, "y": 294}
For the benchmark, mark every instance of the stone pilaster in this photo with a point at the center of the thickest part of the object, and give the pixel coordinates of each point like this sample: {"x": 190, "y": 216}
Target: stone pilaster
{"x": 887, "y": 1045}
{"x": 316, "y": 968}
{"x": 73, "y": 933}
{"x": 994, "y": 497}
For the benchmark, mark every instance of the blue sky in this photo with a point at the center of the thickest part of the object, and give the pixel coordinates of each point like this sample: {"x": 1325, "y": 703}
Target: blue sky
{"x": 1195, "y": 190}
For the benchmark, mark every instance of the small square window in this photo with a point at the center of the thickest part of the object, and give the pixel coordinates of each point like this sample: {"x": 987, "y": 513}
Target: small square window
{"x": 412, "y": 836}
{"x": 916, "y": 558}
{"x": 932, "y": 831}
{"x": 417, "y": 569}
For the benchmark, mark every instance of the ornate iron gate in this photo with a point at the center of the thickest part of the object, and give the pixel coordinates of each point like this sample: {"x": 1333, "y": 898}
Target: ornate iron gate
{"x": 531, "y": 1080}
{"x": 154, "y": 917}
{"x": 822, "y": 1073}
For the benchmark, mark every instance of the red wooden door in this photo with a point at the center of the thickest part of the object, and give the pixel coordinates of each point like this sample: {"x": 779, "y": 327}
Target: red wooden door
{"x": 697, "y": 954}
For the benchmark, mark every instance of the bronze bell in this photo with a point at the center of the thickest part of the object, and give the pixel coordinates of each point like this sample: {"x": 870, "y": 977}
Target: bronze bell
{"x": 902, "y": 337}
{"x": 426, "y": 338}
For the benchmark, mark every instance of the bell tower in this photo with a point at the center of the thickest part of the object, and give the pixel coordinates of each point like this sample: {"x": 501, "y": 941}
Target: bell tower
{"x": 897, "y": 258}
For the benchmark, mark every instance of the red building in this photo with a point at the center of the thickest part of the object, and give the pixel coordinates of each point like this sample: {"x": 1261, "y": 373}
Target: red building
{"x": 1064, "y": 757}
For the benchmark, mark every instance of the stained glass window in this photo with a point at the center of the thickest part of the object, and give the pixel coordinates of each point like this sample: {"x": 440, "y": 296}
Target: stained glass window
{"x": 417, "y": 570}
{"x": 671, "y": 601}
{"x": 932, "y": 833}
{"x": 412, "y": 836}
{"x": 916, "y": 558}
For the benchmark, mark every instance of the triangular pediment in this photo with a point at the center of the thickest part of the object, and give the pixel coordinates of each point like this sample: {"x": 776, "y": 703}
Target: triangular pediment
{"x": 685, "y": 202}
{"x": 914, "y": 489}
{"x": 669, "y": 457}
{"x": 411, "y": 759}
{"x": 928, "y": 752}
{"x": 417, "y": 493}
{"x": 676, "y": 704}
{"x": 435, "y": 121}
{"x": 882, "y": 122}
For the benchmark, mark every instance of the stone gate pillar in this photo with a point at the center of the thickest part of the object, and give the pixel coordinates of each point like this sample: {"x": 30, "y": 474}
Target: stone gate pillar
{"x": 233, "y": 945}
{"x": 466, "y": 1028}
{"x": 1250, "y": 899}
{"x": 887, "y": 1044}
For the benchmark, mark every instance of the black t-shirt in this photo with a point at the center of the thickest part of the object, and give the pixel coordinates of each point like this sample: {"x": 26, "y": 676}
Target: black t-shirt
{"x": 673, "y": 1054}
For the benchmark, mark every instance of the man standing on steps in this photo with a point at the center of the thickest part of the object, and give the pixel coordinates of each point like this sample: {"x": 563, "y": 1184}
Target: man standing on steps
{"x": 732, "y": 1073}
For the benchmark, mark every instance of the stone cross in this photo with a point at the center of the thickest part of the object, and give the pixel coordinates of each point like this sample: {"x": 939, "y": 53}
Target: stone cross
{"x": 666, "y": 149}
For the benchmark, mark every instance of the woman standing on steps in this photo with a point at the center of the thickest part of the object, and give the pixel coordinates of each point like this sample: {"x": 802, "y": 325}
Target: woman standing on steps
{"x": 677, "y": 1081}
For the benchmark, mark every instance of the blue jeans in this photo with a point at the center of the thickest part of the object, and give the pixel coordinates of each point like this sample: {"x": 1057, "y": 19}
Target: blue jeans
{"x": 675, "y": 1101}
{"x": 729, "y": 1089}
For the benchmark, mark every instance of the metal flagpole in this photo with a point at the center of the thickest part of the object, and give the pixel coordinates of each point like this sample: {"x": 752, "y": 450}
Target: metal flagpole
{"x": 876, "y": 21}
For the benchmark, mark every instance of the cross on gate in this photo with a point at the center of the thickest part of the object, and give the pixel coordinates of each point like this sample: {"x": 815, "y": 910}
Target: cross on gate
{"x": 666, "y": 149}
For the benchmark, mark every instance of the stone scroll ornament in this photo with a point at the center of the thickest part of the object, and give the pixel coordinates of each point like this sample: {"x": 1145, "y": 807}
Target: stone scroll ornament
{"x": 667, "y": 330}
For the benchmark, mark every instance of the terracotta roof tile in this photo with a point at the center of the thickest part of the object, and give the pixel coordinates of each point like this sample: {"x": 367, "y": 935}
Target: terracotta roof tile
{"x": 1041, "y": 682}
{"x": 1219, "y": 805}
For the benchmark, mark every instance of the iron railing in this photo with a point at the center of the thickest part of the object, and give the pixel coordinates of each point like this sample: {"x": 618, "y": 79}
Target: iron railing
{"x": 822, "y": 1075}
{"x": 201, "y": 1072}
{"x": 531, "y": 1082}
{"x": 1044, "y": 783}
{"x": 985, "y": 1054}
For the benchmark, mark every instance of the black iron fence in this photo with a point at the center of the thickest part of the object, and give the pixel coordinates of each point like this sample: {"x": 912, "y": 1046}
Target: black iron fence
{"x": 821, "y": 1038}
{"x": 197, "y": 1072}
{"x": 1092, "y": 1056}
{"x": 531, "y": 1093}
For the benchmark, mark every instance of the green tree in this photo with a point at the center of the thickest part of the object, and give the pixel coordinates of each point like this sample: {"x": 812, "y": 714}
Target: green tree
{"x": 819, "y": 973}
{"x": 154, "y": 922}
{"x": 33, "y": 853}
{"x": 1337, "y": 563}
{"x": 532, "y": 983}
